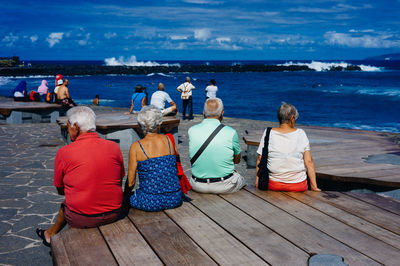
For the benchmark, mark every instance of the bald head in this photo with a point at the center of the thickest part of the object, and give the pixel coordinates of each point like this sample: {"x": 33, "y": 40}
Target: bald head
{"x": 213, "y": 108}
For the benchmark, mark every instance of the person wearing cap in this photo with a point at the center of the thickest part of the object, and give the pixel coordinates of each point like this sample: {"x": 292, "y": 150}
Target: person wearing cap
{"x": 59, "y": 82}
{"x": 186, "y": 95}
{"x": 159, "y": 98}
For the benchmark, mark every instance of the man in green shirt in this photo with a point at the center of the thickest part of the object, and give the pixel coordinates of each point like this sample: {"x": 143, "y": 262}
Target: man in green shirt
{"x": 214, "y": 170}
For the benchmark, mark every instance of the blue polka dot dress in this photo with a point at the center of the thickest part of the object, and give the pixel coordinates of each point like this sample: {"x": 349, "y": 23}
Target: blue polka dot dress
{"x": 159, "y": 187}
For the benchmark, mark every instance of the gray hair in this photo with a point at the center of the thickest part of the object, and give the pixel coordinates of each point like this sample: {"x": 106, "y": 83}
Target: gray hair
{"x": 187, "y": 79}
{"x": 149, "y": 119}
{"x": 213, "y": 107}
{"x": 285, "y": 112}
{"x": 160, "y": 87}
{"x": 83, "y": 116}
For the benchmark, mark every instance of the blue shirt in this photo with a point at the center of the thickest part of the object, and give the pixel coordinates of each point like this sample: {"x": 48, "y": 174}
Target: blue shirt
{"x": 137, "y": 98}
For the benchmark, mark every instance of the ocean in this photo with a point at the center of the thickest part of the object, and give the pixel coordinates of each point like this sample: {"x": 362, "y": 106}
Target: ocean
{"x": 368, "y": 99}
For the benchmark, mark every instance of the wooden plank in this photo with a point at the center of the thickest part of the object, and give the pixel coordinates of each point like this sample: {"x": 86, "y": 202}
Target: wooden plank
{"x": 83, "y": 246}
{"x": 171, "y": 243}
{"x": 360, "y": 241}
{"x": 127, "y": 245}
{"x": 382, "y": 202}
{"x": 366, "y": 211}
{"x": 249, "y": 231}
{"x": 58, "y": 251}
{"x": 348, "y": 218}
{"x": 294, "y": 230}
{"x": 224, "y": 248}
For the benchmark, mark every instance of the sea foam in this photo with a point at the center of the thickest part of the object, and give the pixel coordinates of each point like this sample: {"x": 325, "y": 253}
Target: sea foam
{"x": 322, "y": 66}
{"x": 132, "y": 61}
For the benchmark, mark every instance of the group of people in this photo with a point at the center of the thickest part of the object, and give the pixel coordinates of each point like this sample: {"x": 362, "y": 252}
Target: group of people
{"x": 60, "y": 95}
{"x": 160, "y": 98}
{"x": 90, "y": 170}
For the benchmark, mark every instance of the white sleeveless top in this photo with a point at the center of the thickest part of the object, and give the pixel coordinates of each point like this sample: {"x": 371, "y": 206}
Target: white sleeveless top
{"x": 285, "y": 155}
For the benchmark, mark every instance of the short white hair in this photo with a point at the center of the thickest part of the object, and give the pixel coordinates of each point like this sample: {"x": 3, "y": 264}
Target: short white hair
{"x": 209, "y": 107}
{"x": 285, "y": 112}
{"x": 84, "y": 117}
{"x": 149, "y": 119}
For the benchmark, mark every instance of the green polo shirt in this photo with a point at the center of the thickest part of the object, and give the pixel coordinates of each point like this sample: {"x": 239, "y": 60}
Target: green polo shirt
{"x": 217, "y": 159}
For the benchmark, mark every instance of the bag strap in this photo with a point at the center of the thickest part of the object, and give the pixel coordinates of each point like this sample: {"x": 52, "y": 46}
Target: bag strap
{"x": 264, "y": 156}
{"x": 205, "y": 144}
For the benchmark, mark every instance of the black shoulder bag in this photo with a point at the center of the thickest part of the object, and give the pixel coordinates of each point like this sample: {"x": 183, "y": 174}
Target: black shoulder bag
{"x": 205, "y": 144}
{"x": 263, "y": 174}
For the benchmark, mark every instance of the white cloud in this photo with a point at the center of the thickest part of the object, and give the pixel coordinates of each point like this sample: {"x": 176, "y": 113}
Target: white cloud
{"x": 34, "y": 38}
{"x": 54, "y": 38}
{"x": 223, "y": 39}
{"x": 85, "y": 40}
{"x": 368, "y": 30}
{"x": 178, "y": 37}
{"x": 110, "y": 35}
{"x": 10, "y": 39}
{"x": 202, "y": 34}
{"x": 211, "y": 2}
{"x": 381, "y": 40}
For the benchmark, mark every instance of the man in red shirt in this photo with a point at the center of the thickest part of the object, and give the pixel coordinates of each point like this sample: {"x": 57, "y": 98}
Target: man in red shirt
{"x": 89, "y": 173}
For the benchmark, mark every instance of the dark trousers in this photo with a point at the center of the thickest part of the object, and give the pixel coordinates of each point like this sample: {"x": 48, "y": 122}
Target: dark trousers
{"x": 188, "y": 103}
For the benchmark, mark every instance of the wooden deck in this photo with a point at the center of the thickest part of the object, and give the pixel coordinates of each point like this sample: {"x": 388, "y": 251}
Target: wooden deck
{"x": 250, "y": 227}
{"x": 345, "y": 155}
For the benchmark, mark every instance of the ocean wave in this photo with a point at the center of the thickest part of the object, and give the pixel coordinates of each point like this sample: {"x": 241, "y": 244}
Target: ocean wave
{"x": 322, "y": 66}
{"x": 132, "y": 61}
{"x": 380, "y": 92}
{"x": 390, "y": 127}
{"x": 89, "y": 101}
{"x": 160, "y": 74}
{"x": 4, "y": 80}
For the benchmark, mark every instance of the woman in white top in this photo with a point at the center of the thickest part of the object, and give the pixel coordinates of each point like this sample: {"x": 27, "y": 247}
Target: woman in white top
{"x": 289, "y": 156}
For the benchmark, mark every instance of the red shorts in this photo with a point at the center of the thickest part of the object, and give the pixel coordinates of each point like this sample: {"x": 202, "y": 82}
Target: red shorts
{"x": 290, "y": 187}
{"x": 77, "y": 220}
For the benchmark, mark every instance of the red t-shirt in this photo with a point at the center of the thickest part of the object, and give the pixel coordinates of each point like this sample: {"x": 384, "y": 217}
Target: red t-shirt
{"x": 91, "y": 170}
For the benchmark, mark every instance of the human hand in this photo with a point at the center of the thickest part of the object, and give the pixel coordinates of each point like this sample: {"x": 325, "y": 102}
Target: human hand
{"x": 316, "y": 189}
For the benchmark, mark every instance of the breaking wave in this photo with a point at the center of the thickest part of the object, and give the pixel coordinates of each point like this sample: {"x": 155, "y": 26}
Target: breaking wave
{"x": 132, "y": 61}
{"x": 160, "y": 74}
{"x": 322, "y": 66}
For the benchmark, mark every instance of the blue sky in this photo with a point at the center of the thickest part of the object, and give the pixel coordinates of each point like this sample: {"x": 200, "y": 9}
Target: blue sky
{"x": 199, "y": 29}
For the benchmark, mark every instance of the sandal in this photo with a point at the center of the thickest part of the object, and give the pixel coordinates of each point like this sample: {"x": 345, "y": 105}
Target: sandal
{"x": 40, "y": 233}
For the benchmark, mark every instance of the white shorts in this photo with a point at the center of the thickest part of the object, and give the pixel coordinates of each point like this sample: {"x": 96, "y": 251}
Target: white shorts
{"x": 231, "y": 185}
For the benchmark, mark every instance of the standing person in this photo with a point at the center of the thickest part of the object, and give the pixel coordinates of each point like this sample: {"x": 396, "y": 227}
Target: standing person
{"x": 138, "y": 99}
{"x": 186, "y": 95}
{"x": 289, "y": 158}
{"x": 213, "y": 167}
{"x": 211, "y": 90}
{"x": 159, "y": 98}
{"x": 89, "y": 173}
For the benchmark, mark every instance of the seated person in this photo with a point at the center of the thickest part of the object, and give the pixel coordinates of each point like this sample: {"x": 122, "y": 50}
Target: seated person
{"x": 89, "y": 173}
{"x": 214, "y": 170}
{"x": 58, "y": 83}
{"x": 289, "y": 155}
{"x": 154, "y": 160}
{"x": 43, "y": 90}
{"x": 138, "y": 100}
{"x": 63, "y": 96}
{"x": 159, "y": 98}
{"x": 20, "y": 93}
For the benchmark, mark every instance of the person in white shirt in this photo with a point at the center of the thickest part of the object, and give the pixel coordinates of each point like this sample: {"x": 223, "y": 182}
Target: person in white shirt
{"x": 211, "y": 90}
{"x": 186, "y": 95}
{"x": 289, "y": 157}
{"x": 159, "y": 98}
